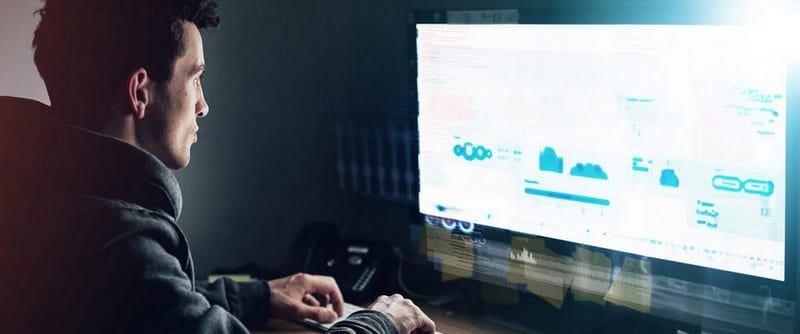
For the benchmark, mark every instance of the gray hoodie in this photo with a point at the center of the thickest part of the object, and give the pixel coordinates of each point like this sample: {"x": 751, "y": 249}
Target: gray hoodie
{"x": 89, "y": 240}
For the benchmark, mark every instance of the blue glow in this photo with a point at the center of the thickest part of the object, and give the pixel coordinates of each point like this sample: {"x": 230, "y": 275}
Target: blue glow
{"x": 750, "y": 186}
{"x": 771, "y": 111}
{"x": 707, "y": 212}
{"x": 609, "y": 131}
{"x": 589, "y": 170}
{"x": 466, "y": 227}
{"x": 759, "y": 187}
{"x": 668, "y": 178}
{"x": 567, "y": 197}
{"x": 705, "y": 204}
{"x": 471, "y": 152}
{"x": 726, "y": 183}
{"x": 449, "y": 224}
{"x": 711, "y": 223}
{"x": 550, "y": 162}
{"x": 639, "y": 168}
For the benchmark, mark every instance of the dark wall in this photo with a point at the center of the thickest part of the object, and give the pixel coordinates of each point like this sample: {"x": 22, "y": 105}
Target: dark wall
{"x": 280, "y": 74}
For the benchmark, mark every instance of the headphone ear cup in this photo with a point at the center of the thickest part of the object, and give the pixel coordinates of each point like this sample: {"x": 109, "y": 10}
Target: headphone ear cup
{"x": 309, "y": 246}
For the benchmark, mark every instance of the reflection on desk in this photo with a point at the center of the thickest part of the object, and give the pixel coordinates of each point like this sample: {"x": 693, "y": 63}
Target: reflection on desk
{"x": 446, "y": 322}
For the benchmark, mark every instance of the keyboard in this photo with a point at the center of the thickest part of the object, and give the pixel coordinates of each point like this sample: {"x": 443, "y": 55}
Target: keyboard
{"x": 348, "y": 310}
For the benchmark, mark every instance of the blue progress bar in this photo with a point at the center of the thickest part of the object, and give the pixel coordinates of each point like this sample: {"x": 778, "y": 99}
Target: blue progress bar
{"x": 568, "y": 197}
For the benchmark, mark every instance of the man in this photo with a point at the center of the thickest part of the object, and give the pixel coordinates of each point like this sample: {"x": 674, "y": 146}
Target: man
{"x": 90, "y": 241}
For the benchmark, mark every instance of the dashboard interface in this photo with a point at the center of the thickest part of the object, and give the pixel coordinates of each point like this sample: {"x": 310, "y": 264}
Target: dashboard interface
{"x": 662, "y": 141}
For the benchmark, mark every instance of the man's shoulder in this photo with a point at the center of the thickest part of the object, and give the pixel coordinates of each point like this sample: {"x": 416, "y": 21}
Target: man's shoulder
{"x": 45, "y": 156}
{"x": 10, "y": 104}
{"x": 124, "y": 210}
{"x": 114, "y": 220}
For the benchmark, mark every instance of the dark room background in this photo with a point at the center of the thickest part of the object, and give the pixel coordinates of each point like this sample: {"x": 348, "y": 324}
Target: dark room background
{"x": 281, "y": 76}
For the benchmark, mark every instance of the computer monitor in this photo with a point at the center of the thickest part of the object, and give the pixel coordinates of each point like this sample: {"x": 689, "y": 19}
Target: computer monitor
{"x": 643, "y": 166}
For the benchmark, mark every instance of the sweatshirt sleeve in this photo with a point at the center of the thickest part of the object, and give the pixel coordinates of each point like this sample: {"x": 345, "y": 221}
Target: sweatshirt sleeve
{"x": 364, "y": 322}
{"x": 142, "y": 278}
{"x": 247, "y": 301}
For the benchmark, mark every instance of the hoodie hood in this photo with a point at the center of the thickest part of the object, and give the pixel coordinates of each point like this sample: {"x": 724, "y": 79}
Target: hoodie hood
{"x": 43, "y": 154}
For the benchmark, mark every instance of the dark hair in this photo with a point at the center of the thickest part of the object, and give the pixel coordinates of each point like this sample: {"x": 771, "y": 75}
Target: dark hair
{"x": 84, "y": 47}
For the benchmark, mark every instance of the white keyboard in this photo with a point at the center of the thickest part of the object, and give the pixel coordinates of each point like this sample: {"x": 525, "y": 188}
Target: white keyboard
{"x": 348, "y": 310}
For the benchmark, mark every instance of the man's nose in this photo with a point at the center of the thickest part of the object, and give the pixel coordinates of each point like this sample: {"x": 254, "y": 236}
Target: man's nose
{"x": 202, "y": 106}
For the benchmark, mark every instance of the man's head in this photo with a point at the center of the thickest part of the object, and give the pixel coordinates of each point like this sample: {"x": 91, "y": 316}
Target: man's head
{"x": 130, "y": 69}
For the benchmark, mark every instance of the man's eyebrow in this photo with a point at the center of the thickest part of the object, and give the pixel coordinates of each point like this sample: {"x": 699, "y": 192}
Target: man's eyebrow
{"x": 198, "y": 68}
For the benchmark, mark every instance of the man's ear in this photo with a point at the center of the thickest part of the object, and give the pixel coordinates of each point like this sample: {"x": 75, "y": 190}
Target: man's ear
{"x": 138, "y": 92}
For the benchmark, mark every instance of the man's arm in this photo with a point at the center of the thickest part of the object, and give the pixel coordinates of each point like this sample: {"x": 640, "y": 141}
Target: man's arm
{"x": 247, "y": 301}
{"x": 364, "y": 322}
{"x": 387, "y": 315}
{"x": 140, "y": 277}
{"x": 156, "y": 294}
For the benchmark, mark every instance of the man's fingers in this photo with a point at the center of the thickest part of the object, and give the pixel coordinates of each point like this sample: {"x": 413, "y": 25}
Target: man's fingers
{"x": 306, "y": 296}
{"x": 325, "y": 285}
{"x": 427, "y": 325}
{"x": 404, "y": 314}
{"x": 309, "y": 299}
{"x": 324, "y": 300}
{"x": 338, "y": 303}
{"x": 380, "y": 300}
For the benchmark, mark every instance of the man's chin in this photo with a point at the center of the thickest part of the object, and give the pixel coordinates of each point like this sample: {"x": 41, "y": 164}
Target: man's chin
{"x": 176, "y": 163}
{"x": 177, "y": 167}
{"x": 182, "y": 164}
{"x": 172, "y": 159}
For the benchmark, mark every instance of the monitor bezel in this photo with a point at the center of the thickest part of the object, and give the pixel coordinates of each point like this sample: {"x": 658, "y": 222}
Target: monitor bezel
{"x": 786, "y": 289}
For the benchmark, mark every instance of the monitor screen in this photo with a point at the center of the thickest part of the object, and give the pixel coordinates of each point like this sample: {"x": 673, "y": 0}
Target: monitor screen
{"x": 664, "y": 141}
{"x": 643, "y": 167}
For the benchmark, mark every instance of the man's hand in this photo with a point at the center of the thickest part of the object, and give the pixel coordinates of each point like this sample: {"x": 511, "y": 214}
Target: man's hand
{"x": 306, "y": 296}
{"x": 404, "y": 314}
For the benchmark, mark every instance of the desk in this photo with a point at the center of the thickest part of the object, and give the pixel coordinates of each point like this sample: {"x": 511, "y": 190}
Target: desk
{"x": 446, "y": 322}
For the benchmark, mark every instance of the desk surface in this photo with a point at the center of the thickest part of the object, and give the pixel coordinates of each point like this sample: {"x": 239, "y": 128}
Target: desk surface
{"x": 446, "y": 322}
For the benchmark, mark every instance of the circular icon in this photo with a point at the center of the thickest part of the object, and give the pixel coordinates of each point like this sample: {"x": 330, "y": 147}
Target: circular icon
{"x": 469, "y": 152}
{"x": 480, "y": 152}
{"x": 466, "y": 227}
{"x": 458, "y": 150}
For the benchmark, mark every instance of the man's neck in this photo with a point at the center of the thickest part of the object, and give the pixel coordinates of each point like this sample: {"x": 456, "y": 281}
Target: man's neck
{"x": 121, "y": 127}
{"x": 116, "y": 124}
